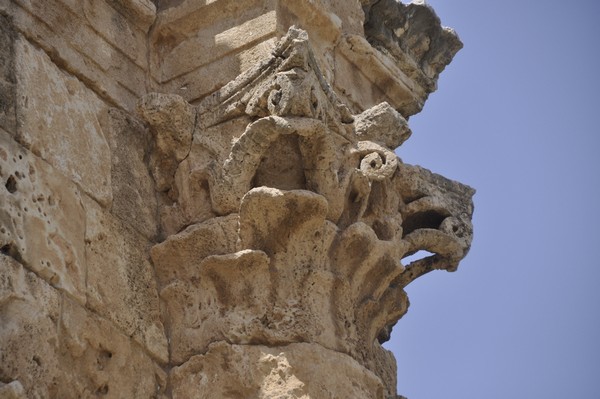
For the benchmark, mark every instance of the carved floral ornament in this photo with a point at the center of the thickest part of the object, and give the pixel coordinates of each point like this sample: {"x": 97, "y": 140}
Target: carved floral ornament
{"x": 288, "y": 217}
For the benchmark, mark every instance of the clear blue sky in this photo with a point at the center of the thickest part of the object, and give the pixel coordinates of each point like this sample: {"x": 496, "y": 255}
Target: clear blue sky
{"x": 516, "y": 116}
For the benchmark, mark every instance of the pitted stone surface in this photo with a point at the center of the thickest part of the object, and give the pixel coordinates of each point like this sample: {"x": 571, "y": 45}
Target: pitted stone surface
{"x": 243, "y": 239}
{"x": 134, "y": 198}
{"x": 68, "y": 137}
{"x": 315, "y": 213}
{"x": 120, "y": 279}
{"x": 299, "y": 371}
{"x": 51, "y": 347}
{"x": 42, "y": 220}
{"x": 29, "y": 316}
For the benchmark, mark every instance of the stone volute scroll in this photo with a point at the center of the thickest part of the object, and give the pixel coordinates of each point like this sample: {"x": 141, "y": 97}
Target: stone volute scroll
{"x": 286, "y": 219}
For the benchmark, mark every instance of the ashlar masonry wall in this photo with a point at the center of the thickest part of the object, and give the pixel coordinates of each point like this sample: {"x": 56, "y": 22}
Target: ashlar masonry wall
{"x": 79, "y": 307}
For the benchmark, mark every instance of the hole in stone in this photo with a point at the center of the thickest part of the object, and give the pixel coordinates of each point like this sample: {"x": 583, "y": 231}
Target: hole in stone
{"x": 104, "y": 355}
{"x": 421, "y": 254}
{"x": 275, "y": 96}
{"x": 423, "y": 220}
{"x": 385, "y": 334}
{"x": 55, "y": 279}
{"x": 20, "y": 156}
{"x": 11, "y": 250}
{"x": 102, "y": 390}
{"x": 11, "y": 184}
{"x": 314, "y": 102}
{"x": 282, "y": 166}
{"x": 37, "y": 360}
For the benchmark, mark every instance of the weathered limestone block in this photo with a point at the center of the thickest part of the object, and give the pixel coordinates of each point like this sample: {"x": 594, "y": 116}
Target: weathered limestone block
{"x": 299, "y": 371}
{"x": 328, "y": 19}
{"x": 29, "y": 316}
{"x": 99, "y": 360}
{"x": 312, "y": 213}
{"x": 192, "y": 40}
{"x": 383, "y": 124}
{"x": 101, "y": 42}
{"x": 115, "y": 28}
{"x": 367, "y": 77}
{"x": 134, "y": 194}
{"x": 8, "y": 88}
{"x": 51, "y": 347}
{"x": 69, "y": 136}
{"x": 210, "y": 44}
{"x": 120, "y": 279}
{"x": 142, "y": 13}
{"x": 42, "y": 220}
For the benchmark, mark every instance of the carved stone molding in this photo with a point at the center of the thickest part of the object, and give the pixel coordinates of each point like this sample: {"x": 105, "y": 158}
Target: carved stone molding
{"x": 287, "y": 218}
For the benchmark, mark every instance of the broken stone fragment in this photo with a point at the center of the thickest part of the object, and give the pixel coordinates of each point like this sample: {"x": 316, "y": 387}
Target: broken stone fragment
{"x": 382, "y": 124}
{"x": 171, "y": 120}
{"x": 412, "y": 34}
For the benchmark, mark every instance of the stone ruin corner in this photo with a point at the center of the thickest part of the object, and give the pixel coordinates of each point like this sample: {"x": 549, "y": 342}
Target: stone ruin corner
{"x": 239, "y": 238}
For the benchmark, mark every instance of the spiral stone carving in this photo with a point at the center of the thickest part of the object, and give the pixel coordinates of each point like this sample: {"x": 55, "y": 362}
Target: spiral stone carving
{"x": 379, "y": 164}
{"x": 308, "y": 215}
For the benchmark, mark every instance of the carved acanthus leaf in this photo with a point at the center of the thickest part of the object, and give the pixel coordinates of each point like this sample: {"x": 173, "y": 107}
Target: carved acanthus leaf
{"x": 311, "y": 213}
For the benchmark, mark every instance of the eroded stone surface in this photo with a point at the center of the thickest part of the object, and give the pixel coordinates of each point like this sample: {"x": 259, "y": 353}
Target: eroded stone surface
{"x": 172, "y": 122}
{"x": 283, "y": 210}
{"x": 313, "y": 213}
{"x": 8, "y": 116}
{"x": 413, "y": 35}
{"x": 69, "y": 136}
{"x": 52, "y": 347}
{"x": 98, "y": 360}
{"x": 42, "y": 220}
{"x": 120, "y": 279}
{"x": 29, "y": 317}
{"x": 134, "y": 195}
{"x": 299, "y": 371}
